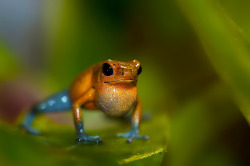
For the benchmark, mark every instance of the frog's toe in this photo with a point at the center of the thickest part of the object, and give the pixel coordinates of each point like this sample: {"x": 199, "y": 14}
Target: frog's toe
{"x": 34, "y": 131}
{"x": 130, "y": 140}
{"x": 98, "y": 141}
{"x": 30, "y": 129}
{"x": 136, "y": 136}
{"x": 142, "y": 137}
{"x": 131, "y": 135}
{"x": 94, "y": 137}
{"x": 87, "y": 138}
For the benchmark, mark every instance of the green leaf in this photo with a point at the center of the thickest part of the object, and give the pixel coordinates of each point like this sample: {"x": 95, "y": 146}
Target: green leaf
{"x": 57, "y": 145}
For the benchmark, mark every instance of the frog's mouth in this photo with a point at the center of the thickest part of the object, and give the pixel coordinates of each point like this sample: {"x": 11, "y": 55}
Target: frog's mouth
{"x": 122, "y": 81}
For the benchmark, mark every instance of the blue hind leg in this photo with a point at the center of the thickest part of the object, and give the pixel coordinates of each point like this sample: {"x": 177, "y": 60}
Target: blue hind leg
{"x": 58, "y": 102}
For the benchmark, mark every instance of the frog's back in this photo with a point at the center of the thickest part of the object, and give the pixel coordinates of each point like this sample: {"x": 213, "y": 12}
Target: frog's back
{"x": 83, "y": 82}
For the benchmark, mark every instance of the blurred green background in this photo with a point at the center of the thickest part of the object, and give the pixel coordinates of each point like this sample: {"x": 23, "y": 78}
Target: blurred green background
{"x": 195, "y": 81}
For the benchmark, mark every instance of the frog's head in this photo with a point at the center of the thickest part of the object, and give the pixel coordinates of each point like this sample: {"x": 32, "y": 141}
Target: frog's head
{"x": 116, "y": 90}
{"x": 117, "y": 72}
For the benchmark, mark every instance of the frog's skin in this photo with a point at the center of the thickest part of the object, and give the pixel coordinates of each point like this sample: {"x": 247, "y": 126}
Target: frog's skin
{"x": 110, "y": 86}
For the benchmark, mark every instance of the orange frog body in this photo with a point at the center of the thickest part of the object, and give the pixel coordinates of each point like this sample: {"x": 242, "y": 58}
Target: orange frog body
{"x": 110, "y": 86}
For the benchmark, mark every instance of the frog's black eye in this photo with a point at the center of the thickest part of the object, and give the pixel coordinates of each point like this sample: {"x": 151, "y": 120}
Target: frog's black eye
{"x": 139, "y": 70}
{"x": 107, "y": 69}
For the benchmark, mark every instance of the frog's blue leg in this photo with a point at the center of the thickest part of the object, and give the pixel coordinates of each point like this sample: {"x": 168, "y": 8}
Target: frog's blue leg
{"x": 134, "y": 132}
{"x": 58, "y": 102}
{"x": 78, "y": 120}
{"x": 82, "y": 136}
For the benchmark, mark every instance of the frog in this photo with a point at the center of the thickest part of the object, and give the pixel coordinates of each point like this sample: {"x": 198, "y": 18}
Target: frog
{"x": 109, "y": 86}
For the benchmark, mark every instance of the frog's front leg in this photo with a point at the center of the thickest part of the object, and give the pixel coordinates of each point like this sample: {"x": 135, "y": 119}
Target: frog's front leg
{"x": 134, "y": 132}
{"x": 58, "y": 102}
{"x": 78, "y": 120}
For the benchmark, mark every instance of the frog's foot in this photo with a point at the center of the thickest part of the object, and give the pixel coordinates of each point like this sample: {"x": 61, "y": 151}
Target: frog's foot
{"x": 30, "y": 129}
{"x": 87, "y": 138}
{"x": 131, "y": 135}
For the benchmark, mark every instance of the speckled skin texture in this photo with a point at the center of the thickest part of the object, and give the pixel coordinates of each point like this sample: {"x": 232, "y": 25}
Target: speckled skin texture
{"x": 116, "y": 100}
{"x": 110, "y": 86}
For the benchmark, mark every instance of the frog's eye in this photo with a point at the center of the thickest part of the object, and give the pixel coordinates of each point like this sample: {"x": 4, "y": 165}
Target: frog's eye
{"x": 139, "y": 70}
{"x": 107, "y": 69}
